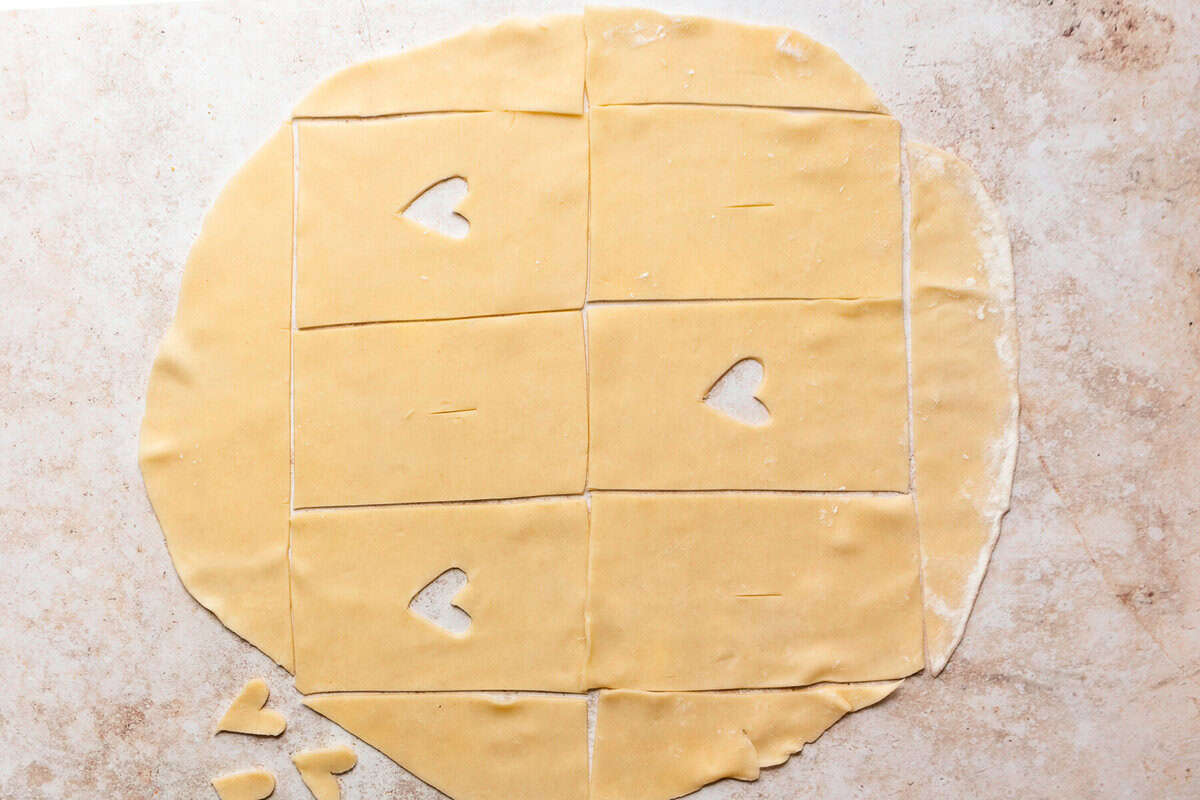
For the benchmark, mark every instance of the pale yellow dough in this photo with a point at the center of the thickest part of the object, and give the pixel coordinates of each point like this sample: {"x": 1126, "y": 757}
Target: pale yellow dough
{"x": 472, "y": 747}
{"x": 639, "y": 56}
{"x": 256, "y": 784}
{"x": 354, "y": 573}
{"x": 834, "y": 383}
{"x": 697, "y": 202}
{"x": 433, "y": 411}
{"x": 319, "y": 768}
{"x": 518, "y": 65}
{"x": 717, "y": 591}
{"x": 247, "y": 712}
{"x": 359, "y": 260}
{"x": 219, "y": 387}
{"x": 965, "y": 398}
{"x": 429, "y": 370}
{"x": 655, "y": 746}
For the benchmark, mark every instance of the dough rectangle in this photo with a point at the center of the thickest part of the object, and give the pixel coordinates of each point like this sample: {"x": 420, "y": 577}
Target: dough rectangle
{"x": 716, "y": 591}
{"x": 354, "y": 572}
{"x": 640, "y": 56}
{"x": 834, "y": 384}
{"x": 434, "y": 411}
{"x": 358, "y": 259}
{"x": 728, "y": 203}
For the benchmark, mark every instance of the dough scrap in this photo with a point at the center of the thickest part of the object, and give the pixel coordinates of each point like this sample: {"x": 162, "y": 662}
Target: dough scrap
{"x": 718, "y": 591}
{"x": 835, "y": 384}
{"x": 219, "y": 385}
{"x": 499, "y": 410}
{"x": 692, "y": 202}
{"x": 965, "y": 393}
{"x": 664, "y": 745}
{"x": 639, "y": 56}
{"x": 256, "y": 784}
{"x": 359, "y": 259}
{"x": 472, "y": 747}
{"x": 318, "y": 769}
{"x": 354, "y": 572}
{"x": 518, "y": 65}
{"x": 248, "y": 714}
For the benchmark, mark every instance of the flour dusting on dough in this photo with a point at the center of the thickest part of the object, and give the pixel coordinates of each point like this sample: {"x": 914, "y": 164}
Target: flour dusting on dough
{"x": 790, "y": 47}
{"x": 637, "y": 34}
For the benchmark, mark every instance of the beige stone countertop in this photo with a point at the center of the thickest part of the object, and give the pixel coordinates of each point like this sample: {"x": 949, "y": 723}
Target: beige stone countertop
{"x": 1080, "y": 672}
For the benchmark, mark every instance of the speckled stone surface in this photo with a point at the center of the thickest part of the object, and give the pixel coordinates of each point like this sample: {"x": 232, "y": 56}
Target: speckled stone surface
{"x": 1080, "y": 672}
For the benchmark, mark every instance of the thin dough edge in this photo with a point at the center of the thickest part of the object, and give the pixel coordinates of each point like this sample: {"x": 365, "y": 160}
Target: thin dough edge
{"x": 220, "y": 384}
{"x": 820, "y": 78}
{"x": 961, "y": 269}
{"x": 516, "y": 65}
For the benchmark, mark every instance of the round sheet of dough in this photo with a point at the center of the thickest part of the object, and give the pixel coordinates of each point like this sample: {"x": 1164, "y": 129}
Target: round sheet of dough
{"x": 591, "y": 354}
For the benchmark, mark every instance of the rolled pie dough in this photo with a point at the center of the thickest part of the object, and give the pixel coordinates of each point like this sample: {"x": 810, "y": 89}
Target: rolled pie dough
{"x": 342, "y": 412}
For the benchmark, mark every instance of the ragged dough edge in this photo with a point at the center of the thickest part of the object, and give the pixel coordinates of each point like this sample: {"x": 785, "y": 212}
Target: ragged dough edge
{"x": 995, "y": 264}
{"x": 224, "y": 518}
{"x": 517, "y": 65}
{"x": 678, "y": 742}
{"x": 851, "y": 698}
{"x": 829, "y": 83}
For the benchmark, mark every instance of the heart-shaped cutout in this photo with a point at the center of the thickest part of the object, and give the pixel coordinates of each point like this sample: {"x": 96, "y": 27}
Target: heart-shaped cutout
{"x": 436, "y": 208}
{"x": 733, "y": 394}
{"x": 435, "y": 602}
{"x": 247, "y": 714}
{"x": 318, "y": 767}
{"x": 255, "y": 784}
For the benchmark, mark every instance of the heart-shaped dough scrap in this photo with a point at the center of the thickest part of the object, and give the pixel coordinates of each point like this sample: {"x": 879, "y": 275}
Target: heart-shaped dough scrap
{"x": 254, "y": 784}
{"x": 318, "y": 768}
{"x": 247, "y": 713}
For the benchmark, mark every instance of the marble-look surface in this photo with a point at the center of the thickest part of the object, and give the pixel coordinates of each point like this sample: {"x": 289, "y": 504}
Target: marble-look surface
{"x": 1080, "y": 672}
